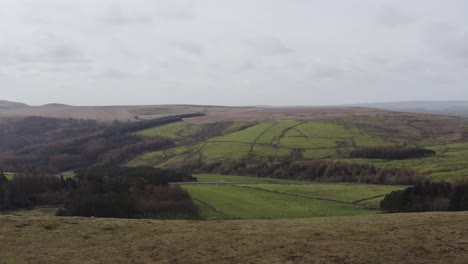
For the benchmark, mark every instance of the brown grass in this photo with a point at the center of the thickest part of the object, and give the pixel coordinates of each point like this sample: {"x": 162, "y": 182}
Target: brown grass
{"x": 397, "y": 238}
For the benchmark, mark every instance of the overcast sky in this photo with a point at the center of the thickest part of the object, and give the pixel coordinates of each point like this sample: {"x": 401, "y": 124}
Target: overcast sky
{"x": 233, "y": 52}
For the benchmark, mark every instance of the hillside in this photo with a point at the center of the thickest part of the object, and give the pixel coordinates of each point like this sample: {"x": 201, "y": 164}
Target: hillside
{"x": 320, "y": 136}
{"x": 255, "y": 134}
{"x": 392, "y": 238}
{"x": 213, "y": 113}
{"x": 111, "y": 113}
{"x": 448, "y": 108}
{"x": 10, "y": 105}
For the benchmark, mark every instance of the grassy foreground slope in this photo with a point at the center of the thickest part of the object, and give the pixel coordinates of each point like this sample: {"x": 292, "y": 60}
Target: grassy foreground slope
{"x": 393, "y": 238}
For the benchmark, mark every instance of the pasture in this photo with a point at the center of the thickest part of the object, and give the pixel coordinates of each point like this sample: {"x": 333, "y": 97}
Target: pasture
{"x": 274, "y": 139}
{"x": 8, "y": 175}
{"x": 282, "y": 200}
{"x": 318, "y": 139}
{"x": 450, "y": 162}
{"x": 180, "y": 131}
{"x": 243, "y": 179}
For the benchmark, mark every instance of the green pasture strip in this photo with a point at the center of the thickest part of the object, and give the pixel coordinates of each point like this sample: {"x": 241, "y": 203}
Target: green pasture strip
{"x": 179, "y": 130}
{"x": 248, "y": 135}
{"x": 230, "y": 178}
{"x": 340, "y": 192}
{"x": 248, "y": 203}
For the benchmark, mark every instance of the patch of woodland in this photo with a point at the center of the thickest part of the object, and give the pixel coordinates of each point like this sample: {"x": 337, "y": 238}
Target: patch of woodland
{"x": 103, "y": 191}
{"x": 392, "y": 153}
{"x": 55, "y": 145}
{"x": 428, "y": 196}
{"x": 316, "y": 170}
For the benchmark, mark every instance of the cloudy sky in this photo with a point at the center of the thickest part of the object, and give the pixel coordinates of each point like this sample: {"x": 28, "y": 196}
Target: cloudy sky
{"x": 233, "y": 52}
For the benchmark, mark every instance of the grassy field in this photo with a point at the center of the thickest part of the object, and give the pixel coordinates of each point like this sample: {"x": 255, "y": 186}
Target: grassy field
{"x": 280, "y": 200}
{"x": 229, "y": 178}
{"x": 9, "y": 175}
{"x": 330, "y": 139}
{"x": 66, "y": 174}
{"x": 349, "y": 193}
{"x": 179, "y": 131}
{"x": 449, "y": 164}
{"x": 37, "y": 211}
{"x": 266, "y": 139}
{"x": 392, "y": 238}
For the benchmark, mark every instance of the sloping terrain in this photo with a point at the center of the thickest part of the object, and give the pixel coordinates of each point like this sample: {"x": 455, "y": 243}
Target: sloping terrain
{"x": 111, "y": 113}
{"x": 261, "y": 200}
{"x": 9, "y": 105}
{"x": 392, "y": 238}
{"x": 449, "y": 108}
{"x": 324, "y": 138}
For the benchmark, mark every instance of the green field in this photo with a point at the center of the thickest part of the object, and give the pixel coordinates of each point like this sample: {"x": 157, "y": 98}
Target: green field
{"x": 66, "y": 174}
{"x": 229, "y": 178}
{"x": 180, "y": 130}
{"x": 266, "y": 139}
{"x": 311, "y": 140}
{"x": 450, "y": 163}
{"x": 272, "y": 201}
{"x": 349, "y": 193}
{"x": 9, "y": 175}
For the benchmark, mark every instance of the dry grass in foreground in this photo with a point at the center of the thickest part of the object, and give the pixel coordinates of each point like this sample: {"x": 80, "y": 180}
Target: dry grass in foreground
{"x": 396, "y": 238}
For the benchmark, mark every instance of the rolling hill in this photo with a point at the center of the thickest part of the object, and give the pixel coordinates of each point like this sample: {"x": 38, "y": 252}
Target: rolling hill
{"x": 339, "y": 223}
{"x": 10, "y": 105}
{"x": 448, "y": 108}
{"x": 323, "y": 137}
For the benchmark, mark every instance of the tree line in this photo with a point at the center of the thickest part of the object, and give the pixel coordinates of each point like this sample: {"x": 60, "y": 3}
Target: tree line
{"x": 103, "y": 191}
{"x": 316, "y": 170}
{"x": 394, "y": 153}
{"x": 55, "y": 145}
{"x": 428, "y": 196}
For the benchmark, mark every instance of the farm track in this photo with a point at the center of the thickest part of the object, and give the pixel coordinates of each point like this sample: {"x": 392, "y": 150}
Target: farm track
{"x": 225, "y": 216}
{"x": 366, "y": 199}
{"x": 311, "y": 197}
{"x": 273, "y": 146}
{"x": 258, "y": 137}
{"x": 283, "y": 133}
{"x": 295, "y": 195}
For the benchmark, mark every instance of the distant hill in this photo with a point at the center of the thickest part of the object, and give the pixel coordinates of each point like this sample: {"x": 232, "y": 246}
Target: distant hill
{"x": 9, "y": 105}
{"x": 448, "y": 108}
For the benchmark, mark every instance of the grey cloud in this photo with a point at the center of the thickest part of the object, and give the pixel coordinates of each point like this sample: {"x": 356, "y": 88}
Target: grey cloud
{"x": 114, "y": 73}
{"x": 269, "y": 46}
{"x": 62, "y": 53}
{"x": 324, "y": 72}
{"x": 391, "y": 16}
{"x": 189, "y": 47}
{"x": 116, "y": 16}
{"x": 458, "y": 48}
{"x": 233, "y": 51}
